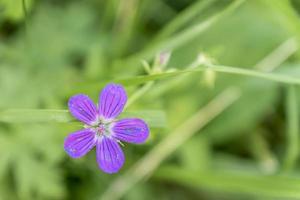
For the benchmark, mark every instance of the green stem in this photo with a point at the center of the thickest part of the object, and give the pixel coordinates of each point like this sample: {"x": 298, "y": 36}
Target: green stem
{"x": 218, "y": 68}
{"x": 252, "y": 73}
{"x": 140, "y": 92}
{"x": 292, "y": 133}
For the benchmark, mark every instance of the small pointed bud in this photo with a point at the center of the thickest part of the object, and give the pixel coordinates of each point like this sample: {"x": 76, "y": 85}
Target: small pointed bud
{"x": 164, "y": 58}
{"x": 161, "y": 61}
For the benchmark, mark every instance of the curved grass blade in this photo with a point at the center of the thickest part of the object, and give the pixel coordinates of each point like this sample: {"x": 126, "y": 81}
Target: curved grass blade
{"x": 184, "y": 36}
{"x": 254, "y": 184}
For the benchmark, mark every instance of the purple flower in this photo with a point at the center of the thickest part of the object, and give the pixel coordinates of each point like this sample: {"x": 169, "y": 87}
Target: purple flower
{"x": 102, "y": 129}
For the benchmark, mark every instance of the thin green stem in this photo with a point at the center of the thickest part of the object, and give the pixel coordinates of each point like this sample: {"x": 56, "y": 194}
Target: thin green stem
{"x": 284, "y": 79}
{"x": 252, "y": 73}
{"x": 139, "y": 93}
{"x": 292, "y": 133}
{"x": 218, "y": 68}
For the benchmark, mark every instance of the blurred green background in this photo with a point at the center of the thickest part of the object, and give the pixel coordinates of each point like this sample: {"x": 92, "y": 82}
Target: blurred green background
{"x": 214, "y": 135}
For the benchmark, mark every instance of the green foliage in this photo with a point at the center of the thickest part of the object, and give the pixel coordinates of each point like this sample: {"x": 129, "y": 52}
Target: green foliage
{"x": 154, "y": 118}
{"x": 50, "y": 50}
{"x": 13, "y": 10}
{"x": 243, "y": 182}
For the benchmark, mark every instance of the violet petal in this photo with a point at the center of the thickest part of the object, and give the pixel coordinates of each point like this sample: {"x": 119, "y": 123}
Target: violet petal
{"x": 110, "y": 156}
{"x": 83, "y": 108}
{"x": 131, "y": 130}
{"x": 112, "y": 101}
{"x": 78, "y": 143}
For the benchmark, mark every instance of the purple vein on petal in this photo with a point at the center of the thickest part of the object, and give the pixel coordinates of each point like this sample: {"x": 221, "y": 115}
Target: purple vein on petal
{"x": 83, "y": 108}
{"x": 131, "y": 130}
{"x": 112, "y": 100}
{"x": 110, "y": 156}
{"x": 105, "y": 103}
{"x": 113, "y": 110}
{"x": 80, "y": 142}
{"x": 111, "y": 104}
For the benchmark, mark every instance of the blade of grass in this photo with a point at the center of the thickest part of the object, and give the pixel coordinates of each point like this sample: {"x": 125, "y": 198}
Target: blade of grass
{"x": 261, "y": 151}
{"x": 278, "y": 56}
{"x": 255, "y": 184}
{"x": 286, "y": 14}
{"x": 161, "y": 151}
{"x": 155, "y": 118}
{"x": 268, "y": 76}
{"x": 35, "y": 115}
{"x": 292, "y": 128}
{"x": 182, "y": 37}
{"x": 124, "y": 23}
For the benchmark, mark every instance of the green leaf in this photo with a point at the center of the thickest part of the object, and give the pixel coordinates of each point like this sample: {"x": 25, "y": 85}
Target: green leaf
{"x": 243, "y": 182}
{"x": 51, "y": 187}
{"x": 35, "y": 116}
{"x": 155, "y": 118}
{"x": 183, "y": 18}
{"x": 13, "y": 9}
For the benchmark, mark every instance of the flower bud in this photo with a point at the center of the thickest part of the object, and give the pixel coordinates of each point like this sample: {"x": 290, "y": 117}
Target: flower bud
{"x": 161, "y": 61}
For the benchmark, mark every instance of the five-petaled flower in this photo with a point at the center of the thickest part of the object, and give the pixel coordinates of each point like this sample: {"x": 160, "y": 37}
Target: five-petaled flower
{"x": 102, "y": 129}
